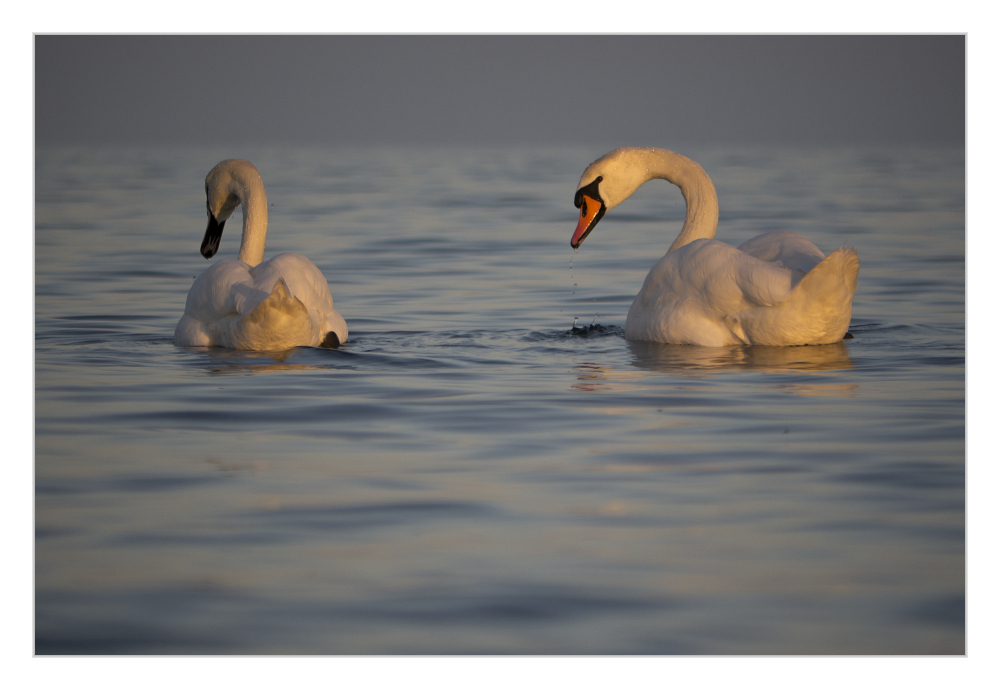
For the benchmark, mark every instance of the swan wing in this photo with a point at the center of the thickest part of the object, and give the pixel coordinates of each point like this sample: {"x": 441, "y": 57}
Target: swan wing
{"x": 785, "y": 248}
{"x": 818, "y": 311}
{"x": 225, "y": 288}
{"x": 306, "y": 283}
{"x": 690, "y": 295}
{"x": 304, "y": 280}
{"x": 721, "y": 276}
{"x": 277, "y": 322}
{"x": 278, "y": 304}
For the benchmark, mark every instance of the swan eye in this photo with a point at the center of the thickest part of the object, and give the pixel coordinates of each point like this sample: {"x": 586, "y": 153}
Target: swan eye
{"x": 590, "y": 191}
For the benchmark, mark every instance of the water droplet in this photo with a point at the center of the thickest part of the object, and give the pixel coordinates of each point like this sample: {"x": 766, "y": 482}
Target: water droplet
{"x": 575, "y": 319}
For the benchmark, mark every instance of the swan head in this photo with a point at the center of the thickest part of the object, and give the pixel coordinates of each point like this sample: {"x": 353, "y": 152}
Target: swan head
{"x": 607, "y": 182}
{"x": 222, "y": 198}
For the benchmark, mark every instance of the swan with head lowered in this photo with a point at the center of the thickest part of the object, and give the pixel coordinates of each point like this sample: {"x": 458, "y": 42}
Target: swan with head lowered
{"x": 242, "y": 303}
{"x": 775, "y": 289}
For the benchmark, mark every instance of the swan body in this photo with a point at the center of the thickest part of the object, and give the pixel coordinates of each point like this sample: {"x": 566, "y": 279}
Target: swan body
{"x": 775, "y": 289}
{"x": 242, "y": 303}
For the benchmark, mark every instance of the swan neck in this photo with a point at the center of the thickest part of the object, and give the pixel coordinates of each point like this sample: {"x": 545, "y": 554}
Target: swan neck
{"x": 702, "y": 215}
{"x": 254, "y": 201}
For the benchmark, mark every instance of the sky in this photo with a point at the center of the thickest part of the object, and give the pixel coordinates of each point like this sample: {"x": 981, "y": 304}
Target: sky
{"x": 651, "y": 90}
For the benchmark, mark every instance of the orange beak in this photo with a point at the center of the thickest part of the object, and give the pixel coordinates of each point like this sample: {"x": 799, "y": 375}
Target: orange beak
{"x": 591, "y": 211}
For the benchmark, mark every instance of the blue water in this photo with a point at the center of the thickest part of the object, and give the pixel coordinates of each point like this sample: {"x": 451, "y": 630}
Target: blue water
{"x": 471, "y": 473}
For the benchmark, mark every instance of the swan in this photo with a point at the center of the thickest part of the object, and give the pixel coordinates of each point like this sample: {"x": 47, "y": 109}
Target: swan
{"x": 244, "y": 304}
{"x": 775, "y": 289}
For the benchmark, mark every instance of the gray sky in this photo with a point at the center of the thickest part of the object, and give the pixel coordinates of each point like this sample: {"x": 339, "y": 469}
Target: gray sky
{"x": 614, "y": 90}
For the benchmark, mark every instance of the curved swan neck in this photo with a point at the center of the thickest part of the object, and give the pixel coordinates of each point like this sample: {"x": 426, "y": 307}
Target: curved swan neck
{"x": 625, "y": 170}
{"x": 702, "y": 216}
{"x": 253, "y": 198}
{"x": 237, "y": 182}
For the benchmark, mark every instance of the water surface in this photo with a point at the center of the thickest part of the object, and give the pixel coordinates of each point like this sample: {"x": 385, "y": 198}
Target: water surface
{"x": 470, "y": 473}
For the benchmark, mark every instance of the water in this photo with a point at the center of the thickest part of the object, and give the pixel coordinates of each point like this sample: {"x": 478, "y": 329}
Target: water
{"x": 471, "y": 473}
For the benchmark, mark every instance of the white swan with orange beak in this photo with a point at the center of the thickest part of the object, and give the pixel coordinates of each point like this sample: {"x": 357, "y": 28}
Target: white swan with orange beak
{"x": 775, "y": 289}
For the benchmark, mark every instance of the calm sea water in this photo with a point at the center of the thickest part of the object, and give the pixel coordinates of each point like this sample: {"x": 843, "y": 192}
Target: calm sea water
{"x": 469, "y": 473}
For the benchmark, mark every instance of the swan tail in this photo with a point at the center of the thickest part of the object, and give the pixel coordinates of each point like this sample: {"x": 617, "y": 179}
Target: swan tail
{"x": 817, "y": 312}
{"x": 833, "y": 277}
{"x": 278, "y": 322}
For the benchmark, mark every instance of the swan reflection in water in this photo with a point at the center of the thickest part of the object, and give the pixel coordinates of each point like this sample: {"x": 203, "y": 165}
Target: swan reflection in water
{"x": 219, "y": 361}
{"x": 679, "y": 358}
{"x": 700, "y": 362}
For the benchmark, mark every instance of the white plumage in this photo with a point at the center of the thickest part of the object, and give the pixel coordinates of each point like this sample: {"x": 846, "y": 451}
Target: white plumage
{"x": 775, "y": 289}
{"x": 244, "y": 304}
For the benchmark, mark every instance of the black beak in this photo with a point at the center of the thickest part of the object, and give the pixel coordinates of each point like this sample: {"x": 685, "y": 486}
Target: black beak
{"x": 213, "y": 234}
